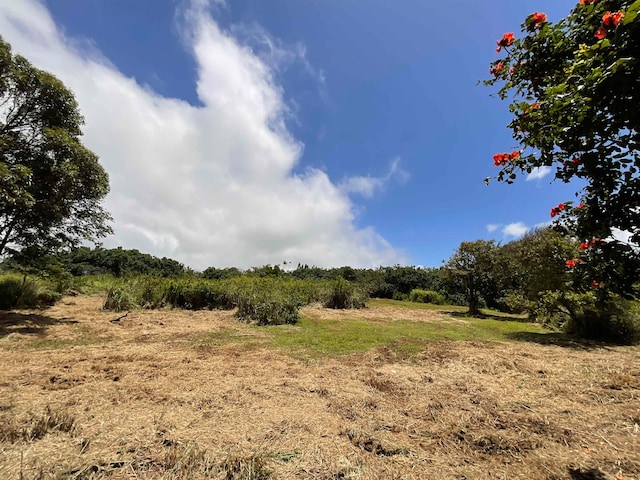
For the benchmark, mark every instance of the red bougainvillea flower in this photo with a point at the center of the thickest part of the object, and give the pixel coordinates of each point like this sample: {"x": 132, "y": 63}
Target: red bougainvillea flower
{"x": 600, "y": 33}
{"x": 539, "y": 19}
{"x": 497, "y": 69}
{"x": 506, "y": 41}
{"x": 571, "y": 263}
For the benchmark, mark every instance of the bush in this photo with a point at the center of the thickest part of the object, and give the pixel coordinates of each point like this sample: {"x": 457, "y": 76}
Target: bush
{"x": 426, "y": 296}
{"x": 119, "y": 298}
{"x": 344, "y": 294}
{"x": 17, "y": 291}
{"x": 400, "y": 296}
{"x": 514, "y": 303}
{"x": 268, "y": 308}
{"x": 586, "y": 316}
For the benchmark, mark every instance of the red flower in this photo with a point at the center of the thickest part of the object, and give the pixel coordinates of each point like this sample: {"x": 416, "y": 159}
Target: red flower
{"x": 617, "y": 18}
{"x": 600, "y": 33}
{"x": 539, "y": 19}
{"x": 587, "y": 2}
{"x": 506, "y": 41}
{"x": 512, "y": 70}
{"x": 556, "y": 210}
{"x": 497, "y": 69}
{"x": 571, "y": 263}
{"x": 595, "y": 284}
{"x": 595, "y": 241}
{"x": 536, "y": 105}
{"x": 500, "y": 159}
{"x": 611, "y": 20}
{"x": 584, "y": 246}
{"x": 582, "y": 205}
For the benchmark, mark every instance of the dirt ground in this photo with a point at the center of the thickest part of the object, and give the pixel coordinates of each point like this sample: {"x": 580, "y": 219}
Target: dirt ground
{"x": 82, "y": 396}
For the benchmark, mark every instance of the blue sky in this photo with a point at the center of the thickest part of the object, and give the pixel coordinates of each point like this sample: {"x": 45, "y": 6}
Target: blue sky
{"x": 326, "y": 132}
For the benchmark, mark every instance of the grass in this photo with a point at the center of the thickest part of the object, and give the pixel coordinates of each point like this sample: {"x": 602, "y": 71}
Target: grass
{"x": 384, "y": 302}
{"x": 313, "y": 337}
{"x": 318, "y": 338}
{"x": 197, "y": 394}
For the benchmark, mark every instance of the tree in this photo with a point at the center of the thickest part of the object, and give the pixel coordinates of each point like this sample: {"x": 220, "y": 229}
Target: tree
{"x": 51, "y": 186}
{"x": 574, "y": 88}
{"x": 476, "y": 265}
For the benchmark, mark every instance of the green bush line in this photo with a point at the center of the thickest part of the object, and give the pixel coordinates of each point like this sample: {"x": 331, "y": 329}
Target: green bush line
{"x": 265, "y": 301}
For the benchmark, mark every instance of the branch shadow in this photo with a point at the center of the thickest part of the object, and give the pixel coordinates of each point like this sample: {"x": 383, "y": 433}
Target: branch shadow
{"x": 28, "y": 323}
{"x": 547, "y": 338}
{"x": 491, "y": 316}
{"x": 560, "y": 340}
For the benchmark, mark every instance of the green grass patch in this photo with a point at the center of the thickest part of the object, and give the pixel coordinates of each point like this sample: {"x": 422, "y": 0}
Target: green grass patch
{"x": 318, "y": 338}
{"x": 387, "y": 302}
{"x": 384, "y": 302}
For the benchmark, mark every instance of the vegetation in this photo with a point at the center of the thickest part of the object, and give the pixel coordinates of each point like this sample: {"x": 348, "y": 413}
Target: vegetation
{"x": 526, "y": 276}
{"x": 570, "y": 85}
{"x": 52, "y": 186}
{"x": 20, "y": 291}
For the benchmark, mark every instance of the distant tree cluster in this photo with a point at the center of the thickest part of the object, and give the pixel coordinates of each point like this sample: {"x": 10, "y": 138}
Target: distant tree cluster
{"x": 118, "y": 262}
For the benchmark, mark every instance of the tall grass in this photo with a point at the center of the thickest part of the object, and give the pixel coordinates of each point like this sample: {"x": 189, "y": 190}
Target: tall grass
{"x": 21, "y": 291}
{"x": 265, "y": 301}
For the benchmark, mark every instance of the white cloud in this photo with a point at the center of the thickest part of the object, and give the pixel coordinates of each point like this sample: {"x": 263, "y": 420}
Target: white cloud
{"x": 515, "y": 230}
{"x": 367, "y": 186}
{"x": 492, "y": 227}
{"x": 206, "y": 185}
{"x": 538, "y": 173}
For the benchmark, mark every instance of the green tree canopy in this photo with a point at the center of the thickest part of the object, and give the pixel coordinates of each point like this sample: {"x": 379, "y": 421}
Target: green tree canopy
{"x": 574, "y": 88}
{"x": 51, "y": 186}
{"x": 479, "y": 267}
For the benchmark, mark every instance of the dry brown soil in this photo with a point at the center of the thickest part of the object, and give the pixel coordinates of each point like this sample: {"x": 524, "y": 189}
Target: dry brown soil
{"x": 84, "y": 397}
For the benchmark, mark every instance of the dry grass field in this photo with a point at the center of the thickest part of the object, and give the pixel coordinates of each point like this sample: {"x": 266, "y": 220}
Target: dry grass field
{"x": 176, "y": 394}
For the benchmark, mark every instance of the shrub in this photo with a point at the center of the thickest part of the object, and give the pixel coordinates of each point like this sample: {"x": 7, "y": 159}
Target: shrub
{"x": 119, "y": 298}
{"x": 268, "y": 308}
{"x": 586, "y": 316}
{"x": 400, "y": 296}
{"x": 514, "y": 303}
{"x": 344, "y": 294}
{"x": 18, "y": 291}
{"x": 426, "y": 296}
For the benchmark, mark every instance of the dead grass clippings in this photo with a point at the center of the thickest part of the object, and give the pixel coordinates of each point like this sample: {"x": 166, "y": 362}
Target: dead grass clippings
{"x": 159, "y": 395}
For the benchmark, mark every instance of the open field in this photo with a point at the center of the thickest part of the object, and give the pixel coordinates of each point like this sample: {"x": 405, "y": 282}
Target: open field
{"x": 384, "y": 393}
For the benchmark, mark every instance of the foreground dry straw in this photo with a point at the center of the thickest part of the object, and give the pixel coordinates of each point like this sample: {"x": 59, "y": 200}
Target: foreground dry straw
{"x": 84, "y": 397}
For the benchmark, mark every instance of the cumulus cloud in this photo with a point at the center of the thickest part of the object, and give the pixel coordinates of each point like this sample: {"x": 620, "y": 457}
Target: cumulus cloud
{"x": 368, "y": 186}
{"x": 538, "y": 173}
{"x": 515, "y": 230}
{"x": 212, "y": 184}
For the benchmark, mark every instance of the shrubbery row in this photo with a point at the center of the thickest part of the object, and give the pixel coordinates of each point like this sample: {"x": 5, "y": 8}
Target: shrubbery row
{"x": 266, "y": 301}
